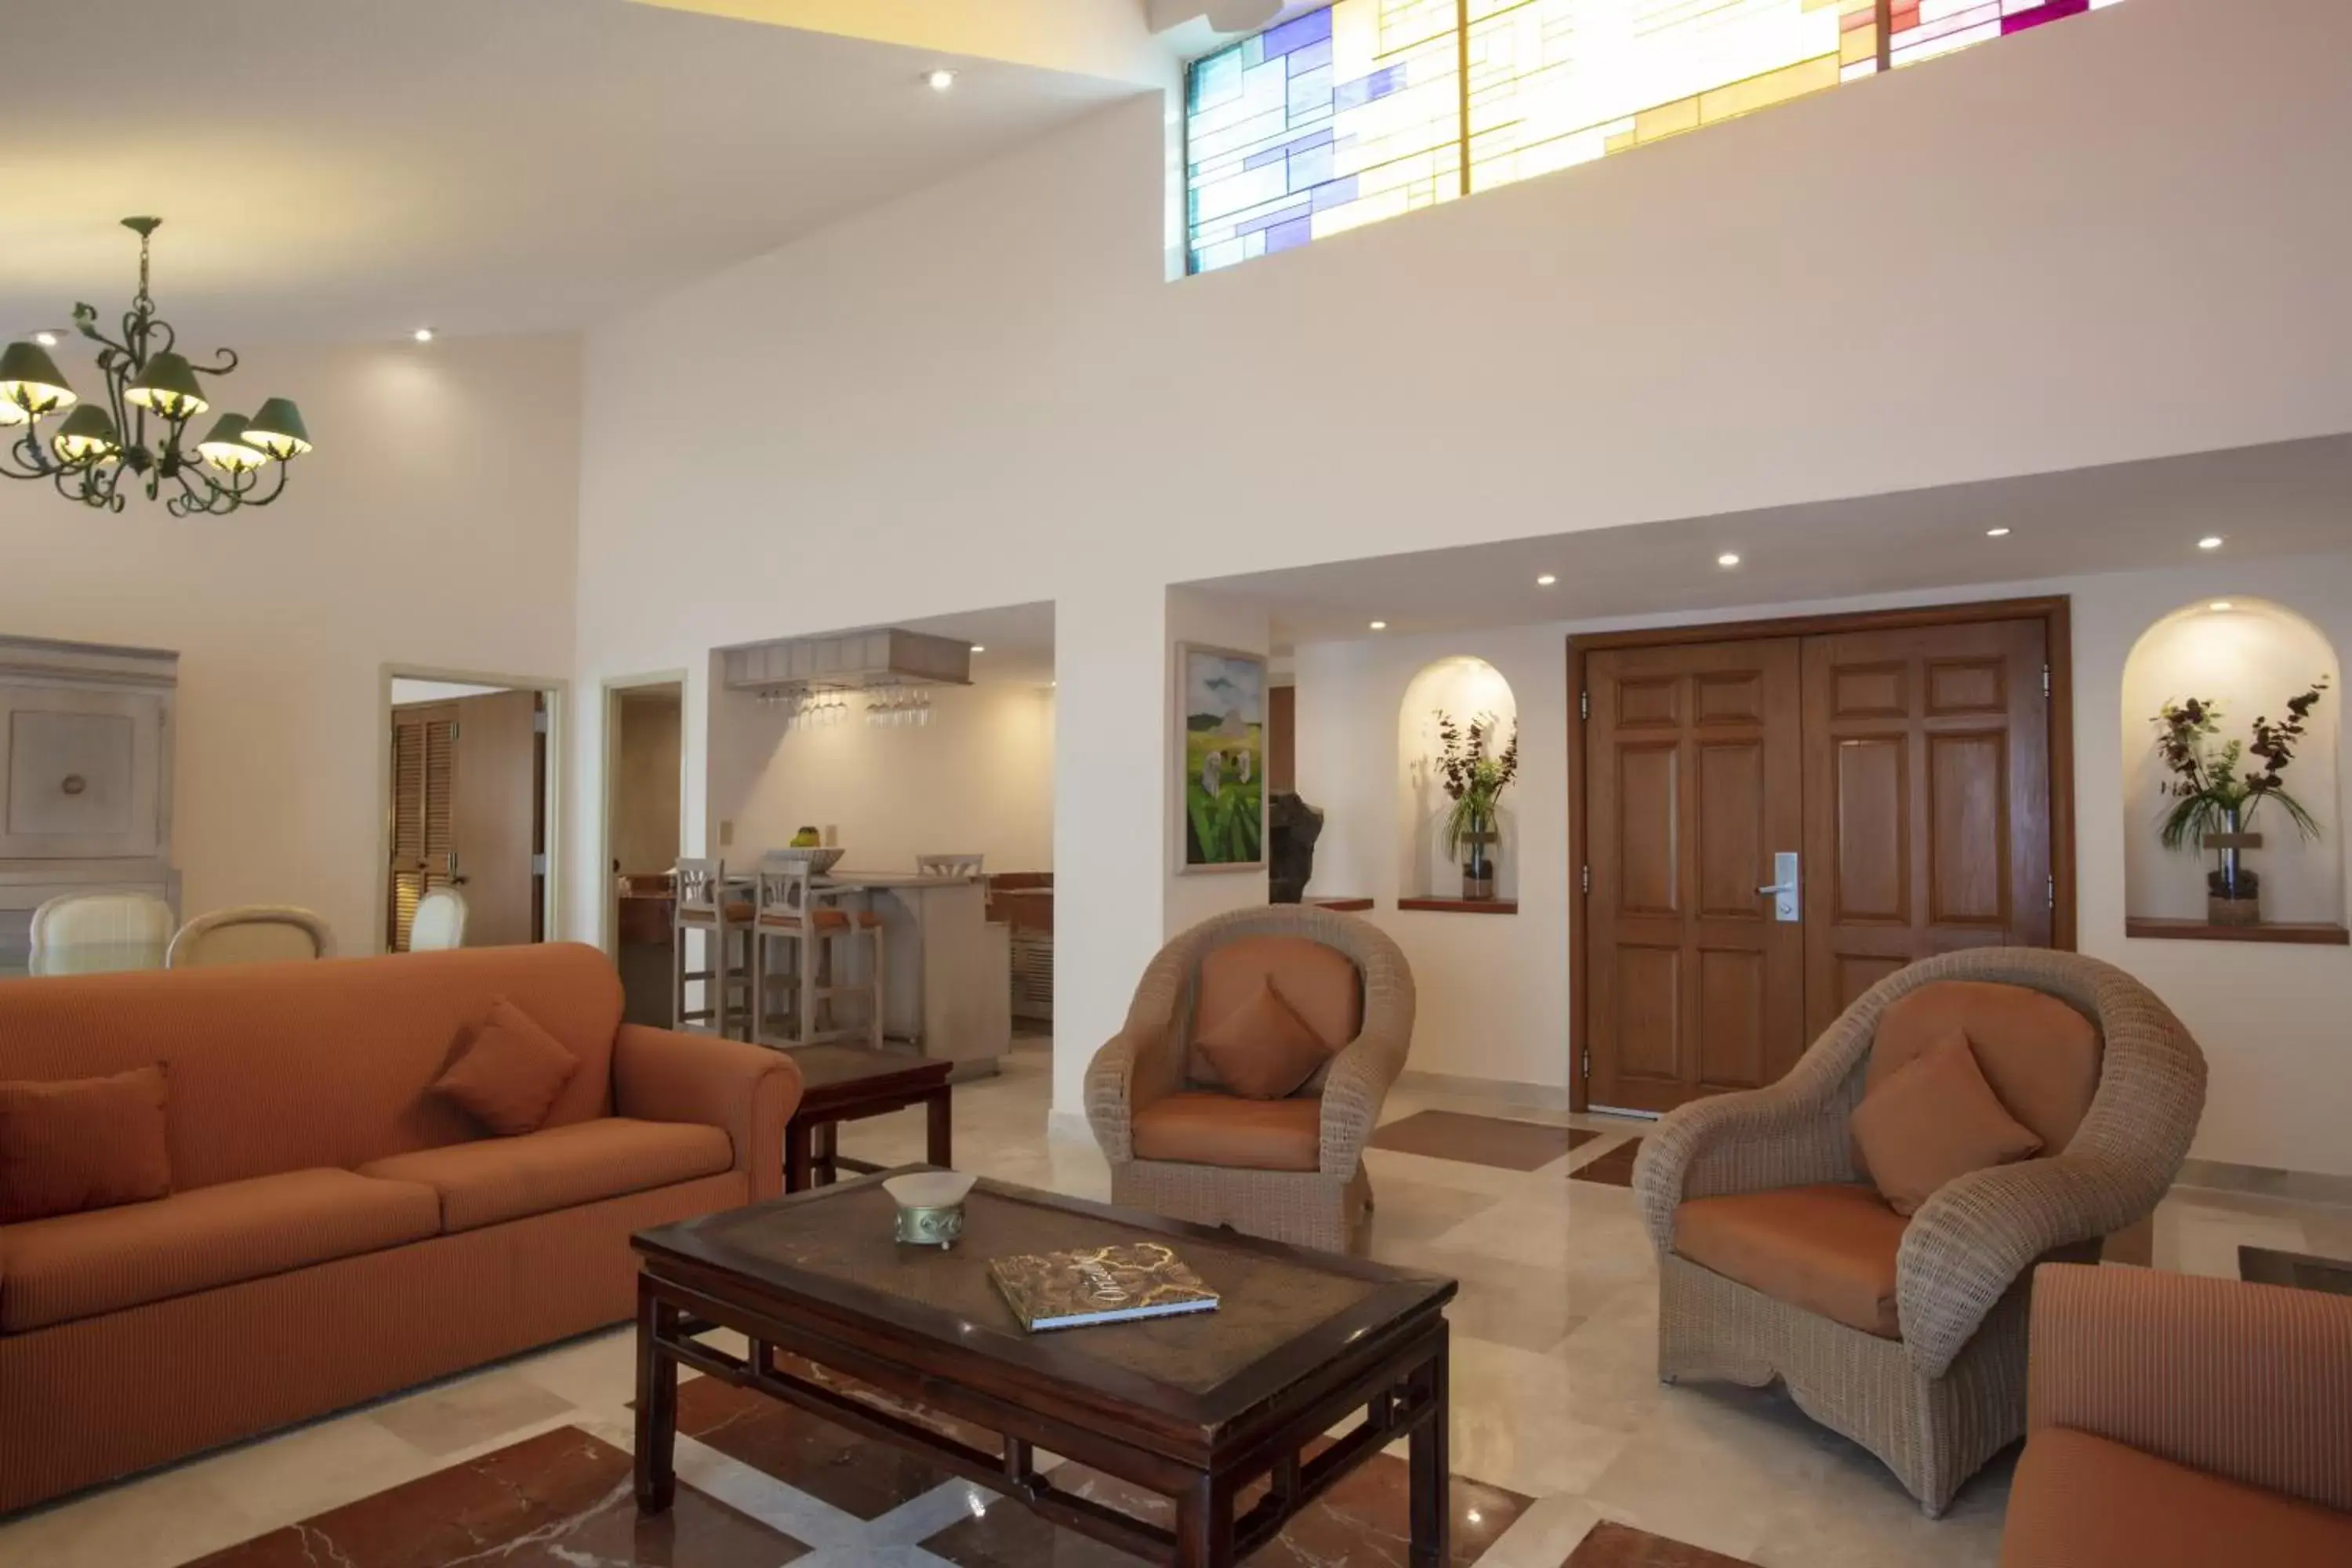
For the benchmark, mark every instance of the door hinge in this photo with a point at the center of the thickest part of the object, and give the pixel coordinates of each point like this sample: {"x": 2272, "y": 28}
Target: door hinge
{"x": 1587, "y": 879}
{"x": 538, "y": 722}
{"x": 538, "y": 865}
{"x": 2053, "y": 889}
{"x": 2045, "y": 680}
{"x": 454, "y": 728}
{"x": 1584, "y": 704}
{"x": 1585, "y": 1066}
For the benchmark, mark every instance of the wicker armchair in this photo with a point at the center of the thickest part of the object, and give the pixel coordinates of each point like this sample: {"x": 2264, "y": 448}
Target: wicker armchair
{"x": 1937, "y": 1401}
{"x": 1151, "y": 1059}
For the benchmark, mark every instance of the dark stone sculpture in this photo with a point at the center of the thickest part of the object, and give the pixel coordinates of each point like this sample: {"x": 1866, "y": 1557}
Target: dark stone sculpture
{"x": 1293, "y": 827}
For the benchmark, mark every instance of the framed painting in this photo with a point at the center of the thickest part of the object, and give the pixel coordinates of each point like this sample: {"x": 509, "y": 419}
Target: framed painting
{"x": 1220, "y": 757}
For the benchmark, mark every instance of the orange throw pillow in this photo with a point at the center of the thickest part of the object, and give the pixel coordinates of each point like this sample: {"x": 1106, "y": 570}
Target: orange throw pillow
{"x": 508, "y": 1078}
{"x": 1933, "y": 1119}
{"x": 1262, "y": 1048}
{"x": 83, "y": 1143}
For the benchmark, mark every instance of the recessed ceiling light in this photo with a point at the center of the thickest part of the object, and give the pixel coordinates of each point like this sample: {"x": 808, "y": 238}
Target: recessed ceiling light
{"x": 1727, "y": 559}
{"x": 1546, "y": 581}
{"x": 422, "y": 334}
{"x": 978, "y": 647}
{"x": 2210, "y": 541}
{"x": 2220, "y": 604}
{"x": 46, "y": 339}
{"x": 1996, "y": 533}
{"x": 1379, "y": 626}
{"x": 940, "y": 80}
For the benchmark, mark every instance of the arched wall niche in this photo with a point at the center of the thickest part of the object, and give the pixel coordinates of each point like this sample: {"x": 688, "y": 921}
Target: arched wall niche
{"x": 1465, "y": 688}
{"x": 2248, "y": 656}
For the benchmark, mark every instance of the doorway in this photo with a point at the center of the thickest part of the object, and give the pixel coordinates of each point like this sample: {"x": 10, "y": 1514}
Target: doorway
{"x": 1766, "y": 818}
{"x": 468, "y": 805}
{"x": 644, "y": 761}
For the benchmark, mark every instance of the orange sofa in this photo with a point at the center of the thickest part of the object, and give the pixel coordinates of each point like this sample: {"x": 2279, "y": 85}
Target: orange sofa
{"x": 2176, "y": 1422}
{"x": 334, "y": 1232}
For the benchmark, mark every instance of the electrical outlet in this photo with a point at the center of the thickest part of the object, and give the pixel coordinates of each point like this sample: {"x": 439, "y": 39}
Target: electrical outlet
{"x": 832, "y": 837}
{"x": 726, "y": 833}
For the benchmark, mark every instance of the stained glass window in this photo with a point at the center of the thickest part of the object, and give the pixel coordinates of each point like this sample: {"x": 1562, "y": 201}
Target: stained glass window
{"x": 1369, "y": 108}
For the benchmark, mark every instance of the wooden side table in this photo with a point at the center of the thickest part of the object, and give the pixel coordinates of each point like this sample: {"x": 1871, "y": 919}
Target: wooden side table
{"x": 850, "y": 1083}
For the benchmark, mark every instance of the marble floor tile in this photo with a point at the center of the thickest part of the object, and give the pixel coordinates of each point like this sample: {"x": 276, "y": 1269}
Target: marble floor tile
{"x": 1612, "y": 1166}
{"x": 1480, "y": 1140}
{"x": 1613, "y": 1546}
{"x": 1515, "y": 1423}
{"x": 562, "y": 1500}
{"x": 854, "y": 1474}
{"x": 466, "y": 1414}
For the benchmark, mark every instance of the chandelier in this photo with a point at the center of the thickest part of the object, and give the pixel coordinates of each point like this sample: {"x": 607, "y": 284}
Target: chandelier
{"x": 95, "y": 444}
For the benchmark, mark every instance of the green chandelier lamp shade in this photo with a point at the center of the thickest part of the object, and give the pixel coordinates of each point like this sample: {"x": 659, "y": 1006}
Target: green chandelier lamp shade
{"x": 225, "y": 447}
{"x": 29, "y": 379}
{"x": 87, "y": 436}
{"x": 168, "y": 385}
{"x": 277, "y": 428}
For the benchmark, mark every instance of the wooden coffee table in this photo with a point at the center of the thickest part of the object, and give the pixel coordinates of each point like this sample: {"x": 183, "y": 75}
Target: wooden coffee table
{"x": 850, "y": 1083}
{"x": 1221, "y": 1411}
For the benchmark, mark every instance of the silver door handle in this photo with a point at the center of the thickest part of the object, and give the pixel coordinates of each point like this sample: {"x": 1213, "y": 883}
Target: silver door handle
{"x": 1784, "y": 891}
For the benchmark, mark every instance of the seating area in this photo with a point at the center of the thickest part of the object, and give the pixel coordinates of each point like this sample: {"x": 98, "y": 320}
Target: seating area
{"x": 1071, "y": 784}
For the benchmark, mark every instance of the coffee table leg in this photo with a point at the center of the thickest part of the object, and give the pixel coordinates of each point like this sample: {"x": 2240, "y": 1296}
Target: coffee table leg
{"x": 1204, "y": 1525}
{"x": 939, "y": 1128}
{"x": 657, "y": 1402}
{"x": 1433, "y": 1508}
{"x": 797, "y": 1134}
{"x": 825, "y": 1162}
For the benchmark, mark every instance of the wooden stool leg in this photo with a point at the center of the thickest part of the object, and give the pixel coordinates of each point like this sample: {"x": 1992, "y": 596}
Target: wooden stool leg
{"x": 874, "y": 998}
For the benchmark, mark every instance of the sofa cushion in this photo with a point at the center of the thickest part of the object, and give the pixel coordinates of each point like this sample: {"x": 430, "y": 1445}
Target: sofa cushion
{"x": 498, "y": 1179}
{"x": 1203, "y": 1128}
{"x": 1320, "y": 982}
{"x": 2080, "y": 1500}
{"x": 2041, "y": 1056}
{"x": 299, "y": 1066}
{"x": 509, "y": 1072}
{"x": 1262, "y": 1048}
{"x": 82, "y": 1144}
{"x": 81, "y": 1265}
{"x": 1932, "y": 1121}
{"x": 1829, "y": 1249}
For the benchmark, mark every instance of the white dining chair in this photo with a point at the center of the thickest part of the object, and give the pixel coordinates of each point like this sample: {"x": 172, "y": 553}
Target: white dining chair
{"x": 439, "y": 922}
{"x": 97, "y": 933}
{"x": 250, "y": 933}
{"x": 966, "y": 866}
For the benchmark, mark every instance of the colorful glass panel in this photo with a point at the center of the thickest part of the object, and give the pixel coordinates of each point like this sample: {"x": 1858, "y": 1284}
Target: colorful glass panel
{"x": 1335, "y": 119}
{"x": 1360, "y": 111}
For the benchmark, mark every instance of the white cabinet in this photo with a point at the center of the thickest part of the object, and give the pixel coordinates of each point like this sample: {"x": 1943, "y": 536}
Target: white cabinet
{"x": 84, "y": 776}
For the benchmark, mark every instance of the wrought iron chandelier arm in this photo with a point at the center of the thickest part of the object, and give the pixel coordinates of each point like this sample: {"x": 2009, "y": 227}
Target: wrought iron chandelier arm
{"x": 26, "y": 450}
{"x": 249, "y": 497}
{"x": 227, "y": 366}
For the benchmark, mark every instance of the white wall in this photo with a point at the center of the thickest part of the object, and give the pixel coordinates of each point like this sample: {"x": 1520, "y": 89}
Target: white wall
{"x": 432, "y": 528}
{"x": 978, "y": 778}
{"x": 2090, "y": 243}
{"x": 1494, "y": 989}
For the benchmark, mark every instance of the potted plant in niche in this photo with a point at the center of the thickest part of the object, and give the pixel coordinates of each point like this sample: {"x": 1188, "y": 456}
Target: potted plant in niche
{"x": 2213, "y": 802}
{"x": 1475, "y": 781}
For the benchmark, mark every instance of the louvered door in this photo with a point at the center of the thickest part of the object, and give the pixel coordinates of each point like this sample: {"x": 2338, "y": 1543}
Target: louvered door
{"x": 423, "y": 784}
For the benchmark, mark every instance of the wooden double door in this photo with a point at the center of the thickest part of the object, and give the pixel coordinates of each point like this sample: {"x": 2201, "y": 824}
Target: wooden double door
{"x": 1900, "y": 777}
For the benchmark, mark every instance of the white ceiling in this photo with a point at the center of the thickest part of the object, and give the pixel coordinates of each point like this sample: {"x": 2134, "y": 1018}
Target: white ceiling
{"x": 2289, "y": 499}
{"x": 348, "y": 170}
{"x": 1018, "y": 640}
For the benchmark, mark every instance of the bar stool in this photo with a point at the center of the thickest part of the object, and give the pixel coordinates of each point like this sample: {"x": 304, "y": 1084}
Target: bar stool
{"x": 708, "y": 903}
{"x": 790, "y": 906}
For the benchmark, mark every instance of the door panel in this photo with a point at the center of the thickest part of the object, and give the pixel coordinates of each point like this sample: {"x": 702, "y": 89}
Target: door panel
{"x": 1693, "y": 774}
{"x": 1927, "y": 781}
{"x": 494, "y": 816}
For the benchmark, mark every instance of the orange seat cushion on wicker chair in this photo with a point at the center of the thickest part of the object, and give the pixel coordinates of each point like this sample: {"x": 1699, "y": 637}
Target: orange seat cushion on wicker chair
{"x": 1263, "y": 1050}
{"x": 497, "y": 1179}
{"x": 1829, "y": 1249}
{"x": 1932, "y": 1121}
{"x": 1204, "y": 1128}
{"x": 2041, "y": 1056}
{"x": 2081, "y": 1502}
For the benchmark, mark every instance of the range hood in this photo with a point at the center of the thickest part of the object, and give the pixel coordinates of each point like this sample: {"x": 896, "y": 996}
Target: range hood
{"x": 850, "y": 661}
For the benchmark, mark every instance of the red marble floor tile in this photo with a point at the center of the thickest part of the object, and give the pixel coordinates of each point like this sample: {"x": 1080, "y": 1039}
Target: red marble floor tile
{"x": 1361, "y": 1523}
{"x": 1611, "y": 1545}
{"x": 1611, "y": 1167}
{"x": 556, "y": 1500}
{"x": 1480, "y": 1140}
